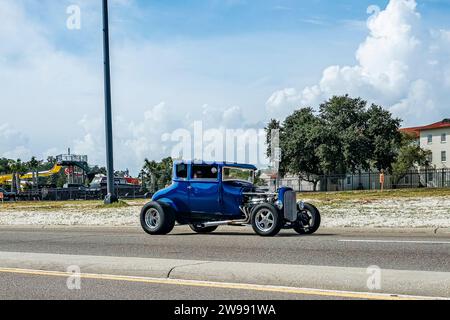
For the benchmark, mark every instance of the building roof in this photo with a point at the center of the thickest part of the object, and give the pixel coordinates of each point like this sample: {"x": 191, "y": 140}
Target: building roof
{"x": 437, "y": 125}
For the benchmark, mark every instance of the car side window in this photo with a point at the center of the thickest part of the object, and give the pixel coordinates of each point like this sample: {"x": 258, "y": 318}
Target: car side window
{"x": 181, "y": 171}
{"x": 210, "y": 172}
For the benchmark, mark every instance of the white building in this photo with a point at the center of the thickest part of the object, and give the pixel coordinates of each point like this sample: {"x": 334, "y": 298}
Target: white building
{"x": 436, "y": 138}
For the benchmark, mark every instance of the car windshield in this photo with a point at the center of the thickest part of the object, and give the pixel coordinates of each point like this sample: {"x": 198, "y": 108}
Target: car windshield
{"x": 241, "y": 174}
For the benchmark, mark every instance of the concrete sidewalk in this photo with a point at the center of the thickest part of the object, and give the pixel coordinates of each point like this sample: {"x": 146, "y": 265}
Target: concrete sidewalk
{"x": 418, "y": 283}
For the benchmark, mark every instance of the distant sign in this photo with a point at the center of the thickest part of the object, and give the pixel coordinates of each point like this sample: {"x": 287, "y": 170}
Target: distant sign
{"x": 382, "y": 178}
{"x": 277, "y": 155}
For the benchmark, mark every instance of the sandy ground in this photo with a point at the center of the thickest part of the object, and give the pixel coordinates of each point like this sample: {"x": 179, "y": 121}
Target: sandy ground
{"x": 398, "y": 213}
{"x": 427, "y": 212}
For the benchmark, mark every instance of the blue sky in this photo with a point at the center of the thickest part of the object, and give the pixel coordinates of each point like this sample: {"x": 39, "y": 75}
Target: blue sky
{"x": 202, "y": 59}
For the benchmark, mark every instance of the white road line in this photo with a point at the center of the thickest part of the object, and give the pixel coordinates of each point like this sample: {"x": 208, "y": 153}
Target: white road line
{"x": 395, "y": 241}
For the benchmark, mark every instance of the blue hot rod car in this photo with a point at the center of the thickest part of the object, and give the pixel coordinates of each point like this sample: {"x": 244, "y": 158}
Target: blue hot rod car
{"x": 207, "y": 195}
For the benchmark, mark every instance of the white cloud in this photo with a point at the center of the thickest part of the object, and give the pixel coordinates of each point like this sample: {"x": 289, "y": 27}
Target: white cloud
{"x": 13, "y": 143}
{"x": 401, "y": 65}
{"x": 54, "y": 92}
{"x": 136, "y": 140}
{"x": 56, "y": 96}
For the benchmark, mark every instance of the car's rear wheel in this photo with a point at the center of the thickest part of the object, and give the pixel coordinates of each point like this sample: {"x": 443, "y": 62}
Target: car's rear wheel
{"x": 308, "y": 221}
{"x": 266, "y": 220}
{"x": 199, "y": 229}
{"x": 157, "y": 219}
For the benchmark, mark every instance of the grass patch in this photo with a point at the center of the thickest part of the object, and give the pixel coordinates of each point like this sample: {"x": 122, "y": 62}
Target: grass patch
{"x": 119, "y": 204}
{"x": 71, "y": 205}
{"x": 47, "y": 205}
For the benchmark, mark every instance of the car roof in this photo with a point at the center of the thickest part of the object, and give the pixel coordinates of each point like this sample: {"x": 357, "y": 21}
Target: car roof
{"x": 219, "y": 163}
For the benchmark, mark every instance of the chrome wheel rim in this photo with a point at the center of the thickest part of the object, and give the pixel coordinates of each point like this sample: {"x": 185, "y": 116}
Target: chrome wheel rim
{"x": 309, "y": 217}
{"x": 152, "y": 219}
{"x": 264, "y": 220}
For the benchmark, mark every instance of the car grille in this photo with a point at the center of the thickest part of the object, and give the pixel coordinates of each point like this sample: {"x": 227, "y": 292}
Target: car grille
{"x": 290, "y": 206}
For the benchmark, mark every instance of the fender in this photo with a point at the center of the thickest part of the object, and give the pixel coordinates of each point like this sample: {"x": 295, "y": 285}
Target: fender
{"x": 168, "y": 202}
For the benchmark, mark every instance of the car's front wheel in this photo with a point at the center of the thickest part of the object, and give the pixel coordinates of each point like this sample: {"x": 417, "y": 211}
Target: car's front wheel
{"x": 266, "y": 220}
{"x": 157, "y": 219}
{"x": 199, "y": 229}
{"x": 308, "y": 221}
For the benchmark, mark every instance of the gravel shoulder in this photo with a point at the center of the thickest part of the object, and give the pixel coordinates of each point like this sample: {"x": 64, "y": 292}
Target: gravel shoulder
{"x": 413, "y": 209}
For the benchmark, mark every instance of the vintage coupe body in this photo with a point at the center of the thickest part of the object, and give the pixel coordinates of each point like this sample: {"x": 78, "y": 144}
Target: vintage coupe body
{"x": 206, "y": 195}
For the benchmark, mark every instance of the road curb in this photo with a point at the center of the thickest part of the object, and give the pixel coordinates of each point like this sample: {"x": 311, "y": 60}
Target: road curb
{"x": 321, "y": 277}
{"x": 442, "y": 231}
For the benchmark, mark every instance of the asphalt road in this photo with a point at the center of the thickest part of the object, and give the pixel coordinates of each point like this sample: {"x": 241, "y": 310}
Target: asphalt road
{"x": 25, "y": 287}
{"x": 426, "y": 252}
{"x": 420, "y": 251}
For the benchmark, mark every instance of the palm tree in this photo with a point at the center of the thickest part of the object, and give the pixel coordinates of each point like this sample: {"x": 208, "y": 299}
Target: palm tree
{"x": 33, "y": 165}
{"x": 157, "y": 174}
{"x": 4, "y": 166}
{"x": 18, "y": 169}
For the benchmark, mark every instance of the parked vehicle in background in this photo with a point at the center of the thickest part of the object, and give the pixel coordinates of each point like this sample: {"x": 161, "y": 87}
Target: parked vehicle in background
{"x": 207, "y": 195}
{"x": 124, "y": 186}
{"x": 7, "y": 195}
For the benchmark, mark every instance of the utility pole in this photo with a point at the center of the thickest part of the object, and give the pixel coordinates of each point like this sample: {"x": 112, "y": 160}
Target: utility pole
{"x": 110, "y": 197}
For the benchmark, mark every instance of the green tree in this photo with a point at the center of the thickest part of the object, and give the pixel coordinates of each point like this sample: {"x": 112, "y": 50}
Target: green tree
{"x": 383, "y": 133}
{"x": 157, "y": 175}
{"x": 300, "y": 138}
{"x": 345, "y": 136}
{"x": 5, "y": 166}
{"x": 410, "y": 154}
{"x": 367, "y": 136}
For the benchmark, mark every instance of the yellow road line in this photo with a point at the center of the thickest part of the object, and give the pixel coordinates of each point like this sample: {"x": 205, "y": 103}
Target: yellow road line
{"x": 220, "y": 285}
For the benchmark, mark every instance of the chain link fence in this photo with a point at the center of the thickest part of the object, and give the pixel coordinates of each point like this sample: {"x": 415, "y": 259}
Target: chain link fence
{"x": 64, "y": 194}
{"x": 426, "y": 178}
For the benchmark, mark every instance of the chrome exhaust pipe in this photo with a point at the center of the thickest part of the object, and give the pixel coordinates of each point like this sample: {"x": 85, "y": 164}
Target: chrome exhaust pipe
{"x": 223, "y": 223}
{"x": 214, "y": 224}
{"x": 229, "y": 222}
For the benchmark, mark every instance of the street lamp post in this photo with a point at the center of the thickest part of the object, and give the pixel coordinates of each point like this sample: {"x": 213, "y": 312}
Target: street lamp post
{"x": 110, "y": 197}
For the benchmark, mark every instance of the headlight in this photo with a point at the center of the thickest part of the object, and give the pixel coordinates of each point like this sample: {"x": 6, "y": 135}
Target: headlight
{"x": 301, "y": 205}
{"x": 279, "y": 204}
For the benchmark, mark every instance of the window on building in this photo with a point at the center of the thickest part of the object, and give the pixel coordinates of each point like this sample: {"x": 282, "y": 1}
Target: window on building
{"x": 430, "y": 158}
{"x": 430, "y": 138}
{"x": 443, "y": 156}
{"x": 444, "y": 137}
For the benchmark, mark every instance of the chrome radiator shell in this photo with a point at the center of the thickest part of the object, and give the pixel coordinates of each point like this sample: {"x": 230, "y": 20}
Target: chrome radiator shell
{"x": 290, "y": 206}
